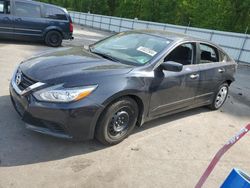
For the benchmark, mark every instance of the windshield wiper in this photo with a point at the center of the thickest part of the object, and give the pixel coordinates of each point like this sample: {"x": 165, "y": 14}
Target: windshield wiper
{"x": 104, "y": 55}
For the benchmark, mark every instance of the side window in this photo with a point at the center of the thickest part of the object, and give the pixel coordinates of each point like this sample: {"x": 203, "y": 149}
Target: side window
{"x": 209, "y": 54}
{"x": 54, "y": 13}
{"x": 27, "y": 10}
{"x": 4, "y": 7}
{"x": 183, "y": 54}
{"x": 1, "y": 7}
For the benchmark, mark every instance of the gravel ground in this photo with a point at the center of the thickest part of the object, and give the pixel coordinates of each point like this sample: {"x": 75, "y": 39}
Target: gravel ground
{"x": 169, "y": 152}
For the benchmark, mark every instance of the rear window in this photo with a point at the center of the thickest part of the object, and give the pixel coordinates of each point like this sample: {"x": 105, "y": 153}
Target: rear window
{"x": 54, "y": 13}
{"x": 27, "y": 10}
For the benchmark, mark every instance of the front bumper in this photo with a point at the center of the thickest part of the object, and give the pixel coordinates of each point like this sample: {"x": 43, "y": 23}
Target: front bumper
{"x": 75, "y": 120}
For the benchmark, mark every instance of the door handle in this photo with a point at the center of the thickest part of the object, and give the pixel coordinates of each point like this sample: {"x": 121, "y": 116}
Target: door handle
{"x": 194, "y": 76}
{"x": 18, "y": 19}
{"x": 221, "y": 70}
{"x": 6, "y": 18}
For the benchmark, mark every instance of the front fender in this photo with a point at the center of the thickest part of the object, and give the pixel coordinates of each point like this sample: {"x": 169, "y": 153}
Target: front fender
{"x": 111, "y": 89}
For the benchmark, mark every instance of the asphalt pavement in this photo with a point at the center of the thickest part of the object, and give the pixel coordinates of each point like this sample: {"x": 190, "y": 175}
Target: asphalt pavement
{"x": 169, "y": 152}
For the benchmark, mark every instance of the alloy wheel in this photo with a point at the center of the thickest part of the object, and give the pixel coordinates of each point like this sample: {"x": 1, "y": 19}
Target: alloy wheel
{"x": 221, "y": 96}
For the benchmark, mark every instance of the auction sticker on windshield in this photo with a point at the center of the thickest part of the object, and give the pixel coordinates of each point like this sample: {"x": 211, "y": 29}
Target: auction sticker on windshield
{"x": 146, "y": 51}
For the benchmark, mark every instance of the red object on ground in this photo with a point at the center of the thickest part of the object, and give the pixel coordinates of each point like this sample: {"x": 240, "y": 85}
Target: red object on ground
{"x": 220, "y": 153}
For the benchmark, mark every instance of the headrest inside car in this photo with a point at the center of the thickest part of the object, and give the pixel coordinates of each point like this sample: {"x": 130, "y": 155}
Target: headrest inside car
{"x": 205, "y": 55}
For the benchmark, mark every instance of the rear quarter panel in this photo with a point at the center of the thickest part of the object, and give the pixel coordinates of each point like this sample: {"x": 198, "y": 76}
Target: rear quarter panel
{"x": 56, "y": 24}
{"x": 61, "y": 26}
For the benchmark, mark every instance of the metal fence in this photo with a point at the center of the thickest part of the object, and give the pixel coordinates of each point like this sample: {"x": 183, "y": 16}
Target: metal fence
{"x": 235, "y": 44}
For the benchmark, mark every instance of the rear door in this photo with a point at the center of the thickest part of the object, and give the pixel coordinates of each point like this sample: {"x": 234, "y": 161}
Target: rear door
{"x": 6, "y": 20}
{"x": 212, "y": 71}
{"x": 28, "y": 21}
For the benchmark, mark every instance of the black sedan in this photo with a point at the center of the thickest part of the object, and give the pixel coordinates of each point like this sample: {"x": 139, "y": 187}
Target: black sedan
{"x": 119, "y": 82}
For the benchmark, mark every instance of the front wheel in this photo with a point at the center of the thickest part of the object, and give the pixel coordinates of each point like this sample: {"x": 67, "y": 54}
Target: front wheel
{"x": 117, "y": 121}
{"x": 220, "y": 97}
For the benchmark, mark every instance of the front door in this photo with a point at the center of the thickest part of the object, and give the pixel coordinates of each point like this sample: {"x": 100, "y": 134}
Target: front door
{"x": 6, "y": 20}
{"x": 173, "y": 91}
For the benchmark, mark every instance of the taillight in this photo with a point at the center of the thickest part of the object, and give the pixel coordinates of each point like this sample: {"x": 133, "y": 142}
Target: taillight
{"x": 71, "y": 28}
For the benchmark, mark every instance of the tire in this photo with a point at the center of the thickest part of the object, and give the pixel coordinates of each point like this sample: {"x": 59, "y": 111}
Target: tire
{"x": 220, "y": 97}
{"x": 53, "y": 39}
{"x": 117, "y": 121}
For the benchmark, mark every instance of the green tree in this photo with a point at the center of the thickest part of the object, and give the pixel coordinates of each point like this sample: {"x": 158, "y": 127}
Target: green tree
{"x": 228, "y": 15}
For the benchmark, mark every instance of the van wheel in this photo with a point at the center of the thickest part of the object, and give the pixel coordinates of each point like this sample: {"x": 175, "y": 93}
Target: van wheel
{"x": 220, "y": 97}
{"x": 53, "y": 39}
{"x": 117, "y": 121}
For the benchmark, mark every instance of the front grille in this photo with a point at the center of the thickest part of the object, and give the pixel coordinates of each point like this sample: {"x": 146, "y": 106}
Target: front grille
{"x": 25, "y": 82}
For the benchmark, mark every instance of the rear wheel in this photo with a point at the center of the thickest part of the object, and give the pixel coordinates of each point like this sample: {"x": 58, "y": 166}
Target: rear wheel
{"x": 220, "y": 97}
{"x": 117, "y": 122}
{"x": 53, "y": 38}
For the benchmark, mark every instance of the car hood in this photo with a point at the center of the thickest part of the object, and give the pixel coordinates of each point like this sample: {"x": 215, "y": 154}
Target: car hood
{"x": 67, "y": 64}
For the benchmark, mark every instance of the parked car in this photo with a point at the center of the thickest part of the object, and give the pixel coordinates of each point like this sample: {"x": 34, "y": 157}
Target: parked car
{"x": 124, "y": 80}
{"x": 30, "y": 20}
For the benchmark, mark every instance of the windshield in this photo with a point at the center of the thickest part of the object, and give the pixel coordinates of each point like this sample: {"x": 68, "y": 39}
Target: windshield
{"x": 132, "y": 48}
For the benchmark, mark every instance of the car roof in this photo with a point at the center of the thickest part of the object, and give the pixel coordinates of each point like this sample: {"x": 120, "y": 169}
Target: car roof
{"x": 43, "y": 3}
{"x": 170, "y": 35}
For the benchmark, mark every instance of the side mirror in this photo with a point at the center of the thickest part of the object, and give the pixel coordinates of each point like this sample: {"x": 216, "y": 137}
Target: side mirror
{"x": 171, "y": 66}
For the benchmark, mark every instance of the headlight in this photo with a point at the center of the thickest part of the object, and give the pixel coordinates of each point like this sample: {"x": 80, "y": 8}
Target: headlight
{"x": 61, "y": 94}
